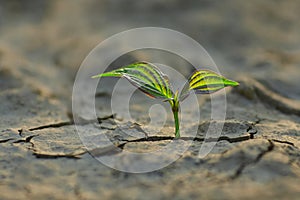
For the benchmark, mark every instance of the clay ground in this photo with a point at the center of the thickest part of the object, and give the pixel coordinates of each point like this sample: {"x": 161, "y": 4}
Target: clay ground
{"x": 42, "y": 44}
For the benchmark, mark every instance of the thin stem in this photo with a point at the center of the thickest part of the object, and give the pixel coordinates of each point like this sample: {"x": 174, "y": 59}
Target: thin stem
{"x": 175, "y": 109}
{"x": 175, "y": 114}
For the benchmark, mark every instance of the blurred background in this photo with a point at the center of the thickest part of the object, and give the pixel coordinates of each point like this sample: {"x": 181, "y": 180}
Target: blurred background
{"x": 48, "y": 40}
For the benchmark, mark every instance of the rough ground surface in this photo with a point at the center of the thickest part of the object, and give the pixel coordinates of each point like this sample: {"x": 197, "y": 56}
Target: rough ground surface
{"x": 42, "y": 44}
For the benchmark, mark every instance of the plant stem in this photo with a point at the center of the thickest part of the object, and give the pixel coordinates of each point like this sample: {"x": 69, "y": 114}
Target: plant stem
{"x": 175, "y": 109}
{"x": 175, "y": 114}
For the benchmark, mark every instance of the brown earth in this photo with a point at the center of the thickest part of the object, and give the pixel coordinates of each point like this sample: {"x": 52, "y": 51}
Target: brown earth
{"x": 42, "y": 44}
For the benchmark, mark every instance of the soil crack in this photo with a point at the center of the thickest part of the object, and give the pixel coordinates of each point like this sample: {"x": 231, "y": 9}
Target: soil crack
{"x": 26, "y": 140}
{"x": 68, "y": 123}
{"x": 6, "y": 140}
{"x": 58, "y": 155}
{"x": 118, "y": 148}
{"x": 283, "y": 142}
{"x": 163, "y": 138}
{"x": 242, "y": 167}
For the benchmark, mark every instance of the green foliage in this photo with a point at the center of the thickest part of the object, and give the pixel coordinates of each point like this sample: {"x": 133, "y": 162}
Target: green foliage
{"x": 146, "y": 77}
{"x": 150, "y": 80}
{"x": 205, "y": 82}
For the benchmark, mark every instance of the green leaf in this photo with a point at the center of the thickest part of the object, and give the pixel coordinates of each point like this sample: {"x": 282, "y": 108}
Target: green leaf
{"x": 205, "y": 82}
{"x": 146, "y": 77}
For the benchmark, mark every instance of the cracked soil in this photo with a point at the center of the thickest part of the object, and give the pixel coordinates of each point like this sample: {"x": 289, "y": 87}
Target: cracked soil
{"x": 42, "y": 44}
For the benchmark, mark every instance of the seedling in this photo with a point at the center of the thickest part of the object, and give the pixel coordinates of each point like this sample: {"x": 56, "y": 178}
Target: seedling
{"x": 150, "y": 80}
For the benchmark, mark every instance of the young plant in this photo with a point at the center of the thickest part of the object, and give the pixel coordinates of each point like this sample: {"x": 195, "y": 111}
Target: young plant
{"x": 150, "y": 80}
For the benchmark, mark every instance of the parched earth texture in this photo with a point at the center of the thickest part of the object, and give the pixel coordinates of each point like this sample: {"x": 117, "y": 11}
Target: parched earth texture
{"x": 42, "y": 44}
